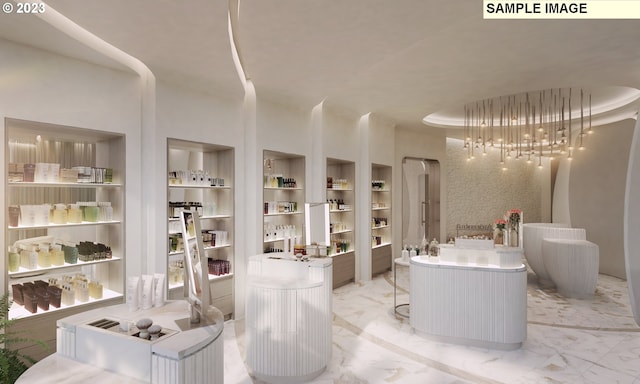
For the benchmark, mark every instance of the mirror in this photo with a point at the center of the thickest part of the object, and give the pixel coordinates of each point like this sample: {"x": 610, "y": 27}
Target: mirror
{"x": 420, "y": 201}
{"x": 195, "y": 265}
{"x": 317, "y": 223}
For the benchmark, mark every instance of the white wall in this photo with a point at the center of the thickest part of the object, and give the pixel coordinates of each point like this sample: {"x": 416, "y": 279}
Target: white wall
{"x": 40, "y": 86}
{"x": 596, "y": 191}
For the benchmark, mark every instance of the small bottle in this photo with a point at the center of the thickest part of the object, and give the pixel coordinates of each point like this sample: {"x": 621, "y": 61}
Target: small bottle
{"x": 14, "y": 259}
{"x": 57, "y": 255}
{"x": 412, "y": 252}
{"x": 60, "y": 214}
{"x": 74, "y": 214}
{"x": 82, "y": 291}
{"x": 29, "y": 257}
{"x": 95, "y": 290}
{"x": 91, "y": 212}
{"x": 44, "y": 257}
{"x": 68, "y": 295}
{"x": 434, "y": 247}
{"x": 70, "y": 254}
{"x": 108, "y": 211}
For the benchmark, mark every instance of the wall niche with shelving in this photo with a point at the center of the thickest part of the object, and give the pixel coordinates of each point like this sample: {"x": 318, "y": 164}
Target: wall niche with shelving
{"x": 200, "y": 178}
{"x": 64, "y": 225}
{"x": 341, "y": 198}
{"x": 381, "y": 252}
{"x": 283, "y": 200}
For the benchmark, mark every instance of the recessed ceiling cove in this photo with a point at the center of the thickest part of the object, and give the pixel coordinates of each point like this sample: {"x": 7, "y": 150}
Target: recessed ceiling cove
{"x": 602, "y": 104}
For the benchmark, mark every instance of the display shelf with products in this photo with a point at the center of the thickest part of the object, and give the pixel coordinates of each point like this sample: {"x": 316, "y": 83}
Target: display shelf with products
{"x": 381, "y": 250}
{"x": 200, "y": 179}
{"x": 283, "y": 200}
{"x": 64, "y": 221}
{"x": 341, "y": 199}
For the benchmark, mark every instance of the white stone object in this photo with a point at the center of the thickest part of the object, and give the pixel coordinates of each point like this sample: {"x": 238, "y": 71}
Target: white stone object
{"x": 572, "y": 265}
{"x": 532, "y": 242}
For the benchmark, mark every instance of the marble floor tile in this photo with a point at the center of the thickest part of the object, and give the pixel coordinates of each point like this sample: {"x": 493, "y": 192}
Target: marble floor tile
{"x": 593, "y": 340}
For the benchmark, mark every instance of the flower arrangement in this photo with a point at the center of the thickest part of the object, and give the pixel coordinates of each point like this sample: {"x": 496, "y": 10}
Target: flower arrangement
{"x": 500, "y": 224}
{"x": 513, "y": 218}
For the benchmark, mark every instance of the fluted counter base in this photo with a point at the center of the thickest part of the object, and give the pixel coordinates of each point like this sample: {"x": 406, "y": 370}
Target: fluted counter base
{"x": 288, "y": 322}
{"x": 481, "y": 306}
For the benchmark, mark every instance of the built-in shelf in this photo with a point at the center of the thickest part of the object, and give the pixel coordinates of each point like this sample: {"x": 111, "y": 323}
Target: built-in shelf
{"x": 381, "y": 253}
{"x": 218, "y": 161}
{"x": 48, "y": 226}
{"x": 341, "y": 175}
{"x": 24, "y": 184}
{"x": 20, "y": 312}
{"x": 284, "y": 188}
{"x": 174, "y": 253}
{"x": 212, "y": 278}
{"x": 283, "y": 213}
{"x": 188, "y": 186}
{"x": 205, "y": 217}
{"x": 286, "y": 169}
{"x": 58, "y": 150}
{"x": 23, "y": 272}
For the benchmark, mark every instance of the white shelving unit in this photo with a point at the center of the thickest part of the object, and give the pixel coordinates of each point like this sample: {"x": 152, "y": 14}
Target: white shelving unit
{"x": 341, "y": 198}
{"x": 283, "y": 199}
{"x": 217, "y": 212}
{"x": 381, "y": 251}
{"x": 38, "y": 143}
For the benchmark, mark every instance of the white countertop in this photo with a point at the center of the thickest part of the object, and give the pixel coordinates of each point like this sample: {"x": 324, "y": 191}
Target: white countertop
{"x": 436, "y": 262}
{"x": 312, "y": 262}
{"x": 175, "y": 346}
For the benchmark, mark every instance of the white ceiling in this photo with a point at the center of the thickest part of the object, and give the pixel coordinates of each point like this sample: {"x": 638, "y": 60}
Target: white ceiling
{"x": 402, "y": 59}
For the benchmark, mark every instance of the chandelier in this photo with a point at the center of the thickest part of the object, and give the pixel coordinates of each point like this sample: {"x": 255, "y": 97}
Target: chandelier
{"x": 528, "y": 126}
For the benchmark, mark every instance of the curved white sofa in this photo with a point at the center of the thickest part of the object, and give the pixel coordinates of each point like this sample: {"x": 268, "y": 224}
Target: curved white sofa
{"x": 534, "y": 233}
{"x": 572, "y": 265}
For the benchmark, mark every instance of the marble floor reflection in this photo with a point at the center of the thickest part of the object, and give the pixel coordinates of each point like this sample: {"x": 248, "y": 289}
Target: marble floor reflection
{"x": 568, "y": 341}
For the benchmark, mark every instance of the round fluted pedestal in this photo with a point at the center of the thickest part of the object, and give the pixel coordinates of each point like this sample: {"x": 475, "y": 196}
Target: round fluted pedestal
{"x": 288, "y": 318}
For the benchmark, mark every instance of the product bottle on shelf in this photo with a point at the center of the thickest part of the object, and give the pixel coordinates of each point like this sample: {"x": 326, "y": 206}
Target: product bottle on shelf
{"x": 28, "y": 256}
{"x": 57, "y": 255}
{"x": 74, "y": 214}
{"x": 60, "y": 214}
{"x": 44, "y": 257}
{"x": 14, "y": 259}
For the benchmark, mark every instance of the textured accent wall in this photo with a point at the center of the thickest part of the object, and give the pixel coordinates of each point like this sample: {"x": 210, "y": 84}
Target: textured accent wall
{"x": 479, "y": 191}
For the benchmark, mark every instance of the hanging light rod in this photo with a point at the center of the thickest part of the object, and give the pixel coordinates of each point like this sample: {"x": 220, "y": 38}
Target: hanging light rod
{"x": 528, "y": 125}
